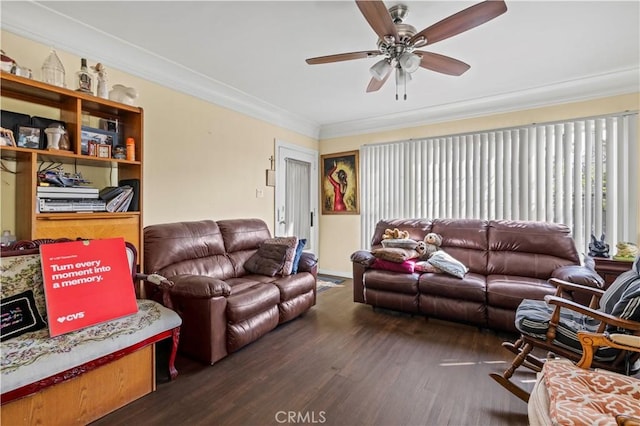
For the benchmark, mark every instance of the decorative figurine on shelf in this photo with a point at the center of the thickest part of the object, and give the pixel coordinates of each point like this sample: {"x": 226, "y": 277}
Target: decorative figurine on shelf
{"x": 54, "y": 136}
{"x": 627, "y": 251}
{"x": 102, "y": 89}
{"x": 123, "y": 94}
{"x": 83, "y": 78}
{"x": 598, "y": 248}
{"x": 53, "y": 70}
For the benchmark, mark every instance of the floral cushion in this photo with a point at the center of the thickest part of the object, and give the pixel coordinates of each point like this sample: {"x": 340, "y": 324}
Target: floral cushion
{"x": 35, "y": 356}
{"x": 586, "y": 397}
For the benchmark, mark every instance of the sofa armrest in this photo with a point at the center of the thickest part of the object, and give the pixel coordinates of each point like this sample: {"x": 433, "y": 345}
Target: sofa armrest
{"x": 363, "y": 257}
{"x": 577, "y": 274}
{"x": 198, "y": 286}
{"x": 308, "y": 262}
{"x": 163, "y": 284}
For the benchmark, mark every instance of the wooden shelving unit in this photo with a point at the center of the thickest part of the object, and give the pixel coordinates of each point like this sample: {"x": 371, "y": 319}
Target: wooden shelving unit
{"x": 72, "y": 106}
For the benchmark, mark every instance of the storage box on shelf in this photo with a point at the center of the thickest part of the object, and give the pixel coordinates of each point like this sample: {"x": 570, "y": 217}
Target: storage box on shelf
{"x": 73, "y": 108}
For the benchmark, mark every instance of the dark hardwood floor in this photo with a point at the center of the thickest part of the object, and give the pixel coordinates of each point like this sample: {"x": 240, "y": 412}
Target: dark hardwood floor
{"x": 343, "y": 363}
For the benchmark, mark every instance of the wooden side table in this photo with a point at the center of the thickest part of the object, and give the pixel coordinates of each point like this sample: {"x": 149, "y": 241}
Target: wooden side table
{"x": 609, "y": 269}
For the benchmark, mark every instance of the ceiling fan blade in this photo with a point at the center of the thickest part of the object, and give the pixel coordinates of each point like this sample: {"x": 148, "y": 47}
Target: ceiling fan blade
{"x": 377, "y": 15}
{"x": 343, "y": 57}
{"x": 462, "y": 21}
{"x": 376, "y": 84}
{"x": 441, "y": 63}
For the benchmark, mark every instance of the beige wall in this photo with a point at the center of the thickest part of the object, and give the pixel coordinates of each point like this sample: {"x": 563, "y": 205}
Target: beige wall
{"x": 340, "y": 235}
{"x": 204, "y": 161}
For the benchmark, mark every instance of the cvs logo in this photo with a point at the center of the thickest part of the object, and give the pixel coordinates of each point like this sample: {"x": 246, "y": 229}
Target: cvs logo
{"x": 71, "y": 317}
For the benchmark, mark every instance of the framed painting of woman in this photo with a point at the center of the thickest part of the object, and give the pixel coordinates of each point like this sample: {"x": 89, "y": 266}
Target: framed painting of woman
{"x": 340, "y": 184}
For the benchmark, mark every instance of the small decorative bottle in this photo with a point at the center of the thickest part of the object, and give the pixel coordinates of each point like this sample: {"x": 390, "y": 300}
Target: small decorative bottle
{"x": 131, "y": 149}
{"x": 84, "y": 79}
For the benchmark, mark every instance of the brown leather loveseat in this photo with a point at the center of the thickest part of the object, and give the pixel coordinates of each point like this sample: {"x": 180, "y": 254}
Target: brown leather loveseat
{"x": 222, "y": 305}
{"x": 508, "y": 261}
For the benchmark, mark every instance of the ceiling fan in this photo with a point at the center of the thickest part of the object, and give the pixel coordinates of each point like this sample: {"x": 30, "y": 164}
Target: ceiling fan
{"x": 398, "y": 41}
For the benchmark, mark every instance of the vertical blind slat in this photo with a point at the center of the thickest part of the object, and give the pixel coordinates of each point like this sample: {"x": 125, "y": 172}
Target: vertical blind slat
{"x": 561, "y": 172}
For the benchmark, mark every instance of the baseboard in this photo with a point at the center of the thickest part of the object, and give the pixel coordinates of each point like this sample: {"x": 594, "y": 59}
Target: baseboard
{"x": 340, "y": 274}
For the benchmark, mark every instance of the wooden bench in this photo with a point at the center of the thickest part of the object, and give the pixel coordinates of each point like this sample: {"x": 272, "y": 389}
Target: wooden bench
{"x": 80, "y": 376}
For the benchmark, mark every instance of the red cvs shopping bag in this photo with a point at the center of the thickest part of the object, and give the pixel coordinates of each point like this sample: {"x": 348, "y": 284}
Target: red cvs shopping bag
{"x": 86, "y": 283}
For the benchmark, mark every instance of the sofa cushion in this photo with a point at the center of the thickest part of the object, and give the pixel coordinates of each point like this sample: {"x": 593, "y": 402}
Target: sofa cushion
{"x": 587, "y": 397}
{"x": 34, "y": 356}
{"x": 243, "y": 234}
{"x": 252, "y": 301}
{"x": 291, "y": 243}
{"x": 186, "y": 248}
{"x": 470, "y": 288}
{"x": 19, "y": 315}
{"x": 294, "y": 285}
{"x": 508, "y": 291}
{"x": 446, "y": 263}
{"x": 268, "y": 260}
{"x": 533, "y": 316}
{"x": 530, "y": 249}
{"x": 22, "y": 273}
{"x": 391, "y": 281}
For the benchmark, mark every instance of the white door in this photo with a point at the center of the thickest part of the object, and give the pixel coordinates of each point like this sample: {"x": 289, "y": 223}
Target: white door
{"x": 296, "y": 191}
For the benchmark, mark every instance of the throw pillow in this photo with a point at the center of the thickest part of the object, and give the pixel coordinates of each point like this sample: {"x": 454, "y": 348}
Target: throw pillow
{"x": 628, "y": 307}
{"x": 19, "y": 315}
{"x": 268, "y": 260}
{"x": 296, "y": 258}
{"x": 448, "y": 264}
{"x": 397, "y": 255}
{"x": 424, "y": 266}
{"x": 615, "y": 291}
{"x": 291, "y": 243}
{"x": 405, "y": 243}
{"x": 406, "y": 267}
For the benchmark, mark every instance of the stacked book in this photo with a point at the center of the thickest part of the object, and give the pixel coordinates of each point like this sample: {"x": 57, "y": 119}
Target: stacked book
{"x": 54, "y": 199}
{"x": 117, "y": 198}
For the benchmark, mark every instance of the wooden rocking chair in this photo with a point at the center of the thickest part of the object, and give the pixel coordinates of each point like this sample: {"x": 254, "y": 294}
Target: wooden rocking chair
{"x": 553, "y": 325}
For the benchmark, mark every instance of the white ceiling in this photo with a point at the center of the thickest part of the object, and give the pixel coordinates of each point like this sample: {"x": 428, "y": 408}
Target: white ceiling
{"x": 251, "y": 55}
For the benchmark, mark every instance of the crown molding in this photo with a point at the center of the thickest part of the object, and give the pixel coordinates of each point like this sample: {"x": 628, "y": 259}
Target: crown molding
{"x": 593, "y": 87}
{"x": 35, "y": 21}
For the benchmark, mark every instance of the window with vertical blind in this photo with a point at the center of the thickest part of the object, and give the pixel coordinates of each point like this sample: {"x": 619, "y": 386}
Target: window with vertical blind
{"x": 582, "y": 173}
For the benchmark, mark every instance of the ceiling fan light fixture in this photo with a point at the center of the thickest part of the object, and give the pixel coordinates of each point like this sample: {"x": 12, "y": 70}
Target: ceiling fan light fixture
{"x": 380, "y": 69}
{"x": 410, "y": 62}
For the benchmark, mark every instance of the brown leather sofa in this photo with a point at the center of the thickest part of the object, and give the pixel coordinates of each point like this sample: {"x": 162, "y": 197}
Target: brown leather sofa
{"x": 508, "y": 261}
{"x": 223, "y": 307}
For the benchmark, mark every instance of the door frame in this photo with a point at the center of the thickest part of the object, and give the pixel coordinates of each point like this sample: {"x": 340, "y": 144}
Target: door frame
{"x": 286, "y": 150}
